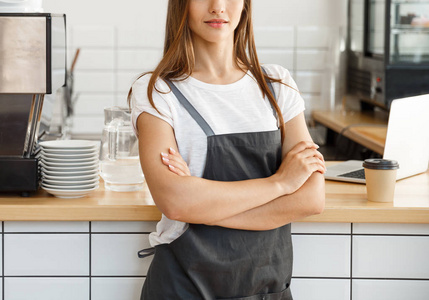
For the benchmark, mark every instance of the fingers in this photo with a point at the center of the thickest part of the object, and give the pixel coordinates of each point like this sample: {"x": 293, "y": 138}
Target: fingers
{"x": 306, "y": 149}
{"x": 175, "y": 163}
{"x": 309, "y": 153}
{"x": 313, "y": 164}
{"x": 318, "y": 165}
{"x": 301, "y": 146}
{"x": 176, "y": 171}
{"x": 306, "y": 157}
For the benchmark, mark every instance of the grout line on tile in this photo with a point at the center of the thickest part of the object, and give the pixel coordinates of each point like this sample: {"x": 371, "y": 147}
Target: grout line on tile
{"x": 320, "y": 233}
{"x": 2, "y": 258}
{"x": 90, "y": 259}
{"x": 116, "y": 63}
{"x": 42, "y": 232}
{"x": 351, "y": 261}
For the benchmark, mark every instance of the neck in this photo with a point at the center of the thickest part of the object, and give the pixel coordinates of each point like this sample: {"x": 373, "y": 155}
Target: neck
{"x": 215, "y": 62}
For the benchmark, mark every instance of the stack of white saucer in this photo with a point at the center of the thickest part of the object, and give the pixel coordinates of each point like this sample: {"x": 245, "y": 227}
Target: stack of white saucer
{"x": 70, "y": 168}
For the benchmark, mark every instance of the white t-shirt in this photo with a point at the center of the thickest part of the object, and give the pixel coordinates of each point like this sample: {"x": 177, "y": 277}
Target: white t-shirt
{"x": 231, "y": 108}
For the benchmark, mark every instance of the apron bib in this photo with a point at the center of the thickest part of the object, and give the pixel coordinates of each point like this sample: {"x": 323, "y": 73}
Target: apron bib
{"x": 212, "y": 262}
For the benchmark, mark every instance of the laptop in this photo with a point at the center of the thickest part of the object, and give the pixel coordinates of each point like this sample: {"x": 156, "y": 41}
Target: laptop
{"x": 407, "y": 142}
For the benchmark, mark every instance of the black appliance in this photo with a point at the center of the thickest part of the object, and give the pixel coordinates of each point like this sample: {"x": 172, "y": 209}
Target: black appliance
{"x": 388, "y": 50}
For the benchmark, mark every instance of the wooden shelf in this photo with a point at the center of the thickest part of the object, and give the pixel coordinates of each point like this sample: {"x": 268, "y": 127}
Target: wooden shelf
{"x": 368, "y": 129}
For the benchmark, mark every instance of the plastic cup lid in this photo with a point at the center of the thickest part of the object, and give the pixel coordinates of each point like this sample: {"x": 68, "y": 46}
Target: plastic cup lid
{"x": 380, "y": 164}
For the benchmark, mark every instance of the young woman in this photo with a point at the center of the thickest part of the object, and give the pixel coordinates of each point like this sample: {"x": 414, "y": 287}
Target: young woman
{"x": 249, "y": 166}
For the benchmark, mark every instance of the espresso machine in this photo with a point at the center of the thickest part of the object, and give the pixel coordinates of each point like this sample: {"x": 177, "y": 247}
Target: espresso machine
{"x": 32, "y": 69}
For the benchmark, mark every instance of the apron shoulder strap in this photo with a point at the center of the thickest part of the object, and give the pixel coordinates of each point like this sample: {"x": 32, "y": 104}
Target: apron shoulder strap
{"x": 191, "y": 109}
{"x": 270, "y": 86}
{"x": 196, "y": 115}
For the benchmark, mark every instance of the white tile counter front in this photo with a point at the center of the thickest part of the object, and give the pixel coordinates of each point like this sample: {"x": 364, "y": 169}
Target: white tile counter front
{"x": 73, "y": 260}
{"x": 98, "y": 260}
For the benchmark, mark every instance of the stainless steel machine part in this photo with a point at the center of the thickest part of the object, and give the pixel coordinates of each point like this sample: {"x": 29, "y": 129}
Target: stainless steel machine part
{"x": 32, "y": 65}
{"x": 23, "y": 55}
{"x": 33, "y": 125}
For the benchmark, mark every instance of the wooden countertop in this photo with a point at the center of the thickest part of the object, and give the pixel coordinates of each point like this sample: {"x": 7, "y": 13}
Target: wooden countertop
{"x": 99, "y": 205}
{"x": 366, "y": 128}
{"x": 345, "y": 202}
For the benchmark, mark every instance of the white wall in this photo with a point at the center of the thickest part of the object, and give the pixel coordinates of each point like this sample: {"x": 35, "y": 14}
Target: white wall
{"x": 120, "y": 41}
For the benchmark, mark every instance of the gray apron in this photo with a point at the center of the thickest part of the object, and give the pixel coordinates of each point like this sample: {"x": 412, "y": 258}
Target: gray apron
{"x": 213, "y": 262}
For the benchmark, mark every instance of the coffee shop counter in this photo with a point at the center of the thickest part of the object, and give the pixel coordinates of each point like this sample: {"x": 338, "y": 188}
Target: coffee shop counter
{"x": 355, "y": 249}
{"x": 345, "y": 202}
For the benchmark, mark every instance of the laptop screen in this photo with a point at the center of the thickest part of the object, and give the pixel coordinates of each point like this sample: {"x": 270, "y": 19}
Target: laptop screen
{"x": 407, "y": 138}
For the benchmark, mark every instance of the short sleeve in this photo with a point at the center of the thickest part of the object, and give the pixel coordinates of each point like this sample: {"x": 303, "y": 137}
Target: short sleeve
{"x": 140, "y": 102}
{"x": 288, "y": 96}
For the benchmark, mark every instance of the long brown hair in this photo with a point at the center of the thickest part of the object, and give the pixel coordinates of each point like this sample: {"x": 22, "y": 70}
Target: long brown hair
{"x": 178, "y": 60}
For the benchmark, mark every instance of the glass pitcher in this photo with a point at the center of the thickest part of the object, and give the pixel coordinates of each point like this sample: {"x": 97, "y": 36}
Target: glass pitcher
{"x": 119, "y": 152}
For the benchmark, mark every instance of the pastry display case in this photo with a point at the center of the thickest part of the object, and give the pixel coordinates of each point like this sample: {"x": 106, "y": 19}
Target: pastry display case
{"x": 388, "y": 45}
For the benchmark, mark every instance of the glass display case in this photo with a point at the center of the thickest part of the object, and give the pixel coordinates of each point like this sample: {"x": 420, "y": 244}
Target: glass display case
{"x": 375, "y": 36}
{"x": 409, "y": 34}
{"x": 388, "y": 49}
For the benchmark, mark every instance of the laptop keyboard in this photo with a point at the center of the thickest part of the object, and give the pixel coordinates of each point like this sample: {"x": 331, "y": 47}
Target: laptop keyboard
{"x": 358, "y": 174}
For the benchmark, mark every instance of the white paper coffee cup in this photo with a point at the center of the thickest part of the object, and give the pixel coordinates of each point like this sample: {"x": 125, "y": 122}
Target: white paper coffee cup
{"x": 380, "y": 177}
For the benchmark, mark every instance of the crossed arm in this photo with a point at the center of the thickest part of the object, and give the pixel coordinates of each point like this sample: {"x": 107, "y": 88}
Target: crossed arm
{"x": 295, "y": 191}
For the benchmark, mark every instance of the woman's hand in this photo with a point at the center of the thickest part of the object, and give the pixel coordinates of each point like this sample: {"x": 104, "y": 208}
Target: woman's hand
{"x": 298, "y": 165}
{"x": 175, "y": 163}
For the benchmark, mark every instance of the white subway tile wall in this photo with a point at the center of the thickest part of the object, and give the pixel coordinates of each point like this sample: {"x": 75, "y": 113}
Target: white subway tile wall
{"x": 314, "y": 36}
{"x": 96, "y": 59}
{"x": 46, "y": 255}
{"x": 275, "y": 37}
{"x": 125, "y": 80}
{"x": 73, "y": 260}
{"x": 46, "y": 288}
{"x": 314, "y": 102}
{"x": 390, "y": 257}
{"x": 98, "y": 260}
{"x": 151, "y": 38}
{"x": 311, "y": 60}
{"x": 88, "y": 124}
{"x": 122, "y": 42}
{"x": 386, "y": 228}
{"x": 92, "y": 104}
{"x": 139, "y": 60}
{"x": 309, "y": 82}
{"x": 45, "y": 226}
{"x": 100, "y": 226}
{"x": 120, "y": 260}
{"x": 92, "y": 36}
{"x": 283, "y": 57}
{"x": 390, "y": 289}
{"x": 320, "y": 289}
{"x": 114, "y": 288}
{"x": 321, "y": 255}
{"x": 308, "y": 227}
